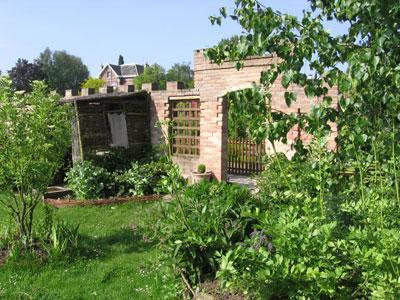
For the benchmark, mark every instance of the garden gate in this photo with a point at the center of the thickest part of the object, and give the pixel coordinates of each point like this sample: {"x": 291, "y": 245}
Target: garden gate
{"x": 245, "y": 156}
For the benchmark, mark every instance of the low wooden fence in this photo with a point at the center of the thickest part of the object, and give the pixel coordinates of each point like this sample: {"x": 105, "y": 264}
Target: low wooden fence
{"x": 245, "y": 156}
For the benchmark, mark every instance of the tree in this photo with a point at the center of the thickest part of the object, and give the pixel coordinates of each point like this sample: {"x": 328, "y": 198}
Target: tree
{"x": 120, "y": 60}
{"x": 369, "y": 48}
{"x": 63, "y": 71}
{"x": 95, "y": 83}
{"x": 34, "y": 137}
{"x": 353, "y": 193}
{"x": 23, "y": 73}
{"x": 181, "y": 72}
{"x": 152, "y": 74}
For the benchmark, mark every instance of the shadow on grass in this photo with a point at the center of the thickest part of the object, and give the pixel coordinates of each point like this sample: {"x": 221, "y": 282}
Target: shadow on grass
{"x": 124, "y": 241}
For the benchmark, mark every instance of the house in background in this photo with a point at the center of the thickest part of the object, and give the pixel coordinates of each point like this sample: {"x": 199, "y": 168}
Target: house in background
{"x": 120, "y": 75}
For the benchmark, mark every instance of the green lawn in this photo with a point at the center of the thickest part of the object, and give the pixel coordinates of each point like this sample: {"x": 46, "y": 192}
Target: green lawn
{"x": 113, "y": 261}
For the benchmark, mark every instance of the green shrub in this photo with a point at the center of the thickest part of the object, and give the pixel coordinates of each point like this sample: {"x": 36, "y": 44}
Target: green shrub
{"x": 116, "y": 159}
{"x": 320, "y": 235}
{"x": 201, "y": 168}
{"x": 88, "y": 181}
{"x": 171, "y": 182}
{"x": 206, "y": 221}
{"x": 143, "y": 179}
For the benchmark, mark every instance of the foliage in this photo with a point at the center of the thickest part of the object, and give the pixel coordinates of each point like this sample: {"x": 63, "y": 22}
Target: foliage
{"x": 143, "y": 179}
{"x": 181, "y": 72}
{"x": 116, "y": 159}
{"x": 318, "y": 235}
{"x": 201, "y": 168}
{"x": 244, "y": 116}
{"x": 152, "y": 74}
{"x": 56, "y": 237}
{"x": 94, "y": 83}
{"x": 120, "y": 60}
{"x": 63, "y": 71}
{"x": 24, "y": 73}
{"x": 369, "y": 50}
{"x": 206, "y": 221}
{"x": 88, "y": 181}
{"x": 331, "y": 226}
{"x": 156, "y": 74}
{"x": 172, "y": 182}
{"x": 34, "y": 137}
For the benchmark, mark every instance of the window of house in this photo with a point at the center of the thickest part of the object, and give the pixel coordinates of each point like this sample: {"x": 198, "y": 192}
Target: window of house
{"x": 185, "y": 116}
{"x": 108, "y": 74}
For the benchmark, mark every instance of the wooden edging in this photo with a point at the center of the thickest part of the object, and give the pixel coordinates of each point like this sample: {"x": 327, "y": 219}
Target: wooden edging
{"x": 74, "y": 202}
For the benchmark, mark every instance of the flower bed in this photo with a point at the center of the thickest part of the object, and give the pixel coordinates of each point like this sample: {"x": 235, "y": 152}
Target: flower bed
{"x": 59, "y": 203}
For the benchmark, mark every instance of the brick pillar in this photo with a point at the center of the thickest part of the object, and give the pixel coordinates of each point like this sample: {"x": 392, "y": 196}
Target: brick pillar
{"x": 213, "y": 135}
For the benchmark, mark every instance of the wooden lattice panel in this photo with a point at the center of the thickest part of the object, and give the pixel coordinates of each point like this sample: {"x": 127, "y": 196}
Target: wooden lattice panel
{"x": 185, "y": 115}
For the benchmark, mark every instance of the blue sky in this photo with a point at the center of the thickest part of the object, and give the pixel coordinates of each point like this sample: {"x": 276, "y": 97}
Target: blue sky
{"x": 98, "y": 31}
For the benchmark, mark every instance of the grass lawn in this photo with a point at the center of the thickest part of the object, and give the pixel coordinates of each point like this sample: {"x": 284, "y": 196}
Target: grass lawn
{"x": 113, "y": 262}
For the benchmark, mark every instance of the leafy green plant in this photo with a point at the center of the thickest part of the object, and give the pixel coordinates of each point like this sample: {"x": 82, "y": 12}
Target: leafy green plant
{"x": 34, "y": 137}
{"x": 144, "y": 179}
{"x": 201, "y": 168}
{"x": 94, "y": 83}
{"x": 332, "y": 217}
{"x": 88, "y": 181}
{"x": 63, "y": 237}
{"x": 116, "y": 159}
{"x": 172, "y": 182}
{"x": 205, "y": 221}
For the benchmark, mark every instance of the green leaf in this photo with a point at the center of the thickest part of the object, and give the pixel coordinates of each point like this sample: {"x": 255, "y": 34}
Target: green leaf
{"x": 290, "y": 97}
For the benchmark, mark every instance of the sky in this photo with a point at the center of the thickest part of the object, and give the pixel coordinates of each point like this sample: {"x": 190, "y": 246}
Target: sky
{"x": 98, "y": 31}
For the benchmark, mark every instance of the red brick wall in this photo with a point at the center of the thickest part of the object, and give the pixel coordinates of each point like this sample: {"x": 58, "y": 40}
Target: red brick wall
{"x": 212, "y": 82}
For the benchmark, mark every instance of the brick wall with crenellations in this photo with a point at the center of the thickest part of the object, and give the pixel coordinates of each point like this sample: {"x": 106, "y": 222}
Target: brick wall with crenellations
{"x": 212, "y": 83}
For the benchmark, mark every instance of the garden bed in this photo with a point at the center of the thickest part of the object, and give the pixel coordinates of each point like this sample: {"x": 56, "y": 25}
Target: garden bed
{"x": 115, "y": 200}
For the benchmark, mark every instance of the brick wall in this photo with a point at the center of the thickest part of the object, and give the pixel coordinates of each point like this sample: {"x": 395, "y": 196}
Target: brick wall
{"x": 212, "y": 82}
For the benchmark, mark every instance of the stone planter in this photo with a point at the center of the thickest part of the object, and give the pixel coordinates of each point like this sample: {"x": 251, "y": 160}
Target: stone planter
{"x": 197, "y": 177}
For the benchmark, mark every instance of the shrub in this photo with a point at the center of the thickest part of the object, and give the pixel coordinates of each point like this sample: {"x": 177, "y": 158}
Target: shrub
{"x": 116, "y": 159}
{"x": 201, "y": 168}
{"x": 206, "y": 221}
{"x": 143, "y": 179}
{"x": 88, "y": 181}
{"x": 319, "y": 236}
{"x": 34, "y": 137}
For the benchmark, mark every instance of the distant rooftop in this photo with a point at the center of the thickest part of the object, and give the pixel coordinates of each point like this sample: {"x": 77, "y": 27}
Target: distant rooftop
{"x": 126, "y": 70}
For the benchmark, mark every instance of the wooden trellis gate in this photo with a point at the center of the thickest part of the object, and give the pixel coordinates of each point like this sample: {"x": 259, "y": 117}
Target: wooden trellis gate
{"x": 245, "y": 156}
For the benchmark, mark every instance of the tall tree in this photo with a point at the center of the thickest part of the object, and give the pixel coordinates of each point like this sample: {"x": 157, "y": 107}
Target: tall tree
{"x": 120, "y": 60}
{"x": 152, "y": 73}
{"x": 63, "y": 71}
{"x": 181, "y": 72}
{"x": 23, "y": 73}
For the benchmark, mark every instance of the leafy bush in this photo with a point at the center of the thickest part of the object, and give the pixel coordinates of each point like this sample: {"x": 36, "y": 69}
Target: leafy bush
{"x": 88, "y": 181}
{"x": 34, "y": 137}
{"x": 319, "y": 236}
{"x": 116, "y": 159}
{"x": 144, "y": 179}
{"x": 92, "y": 182}
{"x": 206, "y": 221}
{"x": 201, "y": 168}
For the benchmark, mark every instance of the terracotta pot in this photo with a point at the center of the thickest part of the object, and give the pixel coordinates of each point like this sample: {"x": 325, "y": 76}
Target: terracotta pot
{"x": 197, "y": 177}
